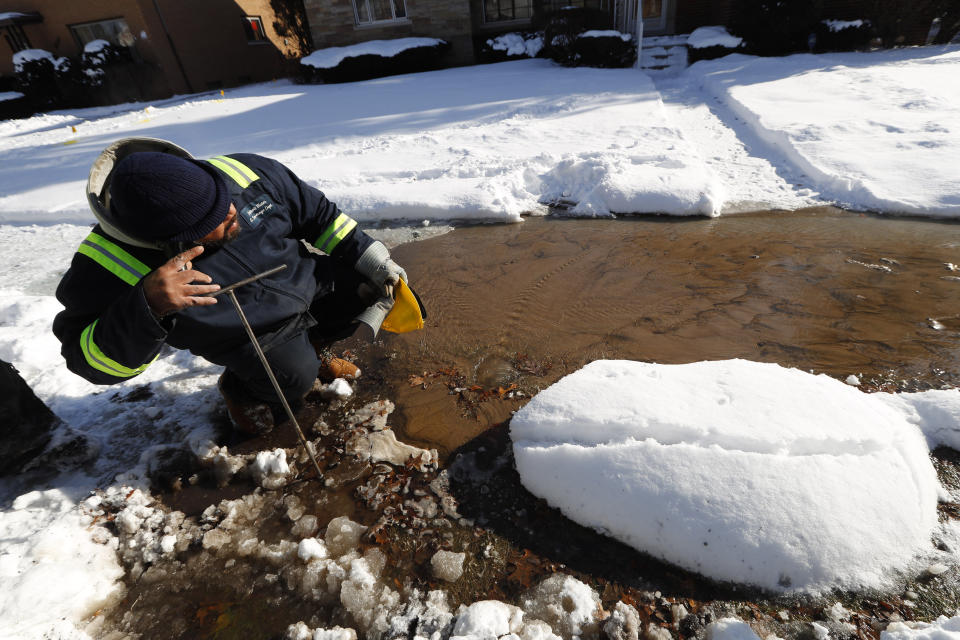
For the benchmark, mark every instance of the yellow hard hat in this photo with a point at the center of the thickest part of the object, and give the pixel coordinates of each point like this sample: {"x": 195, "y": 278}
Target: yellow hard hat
{"x": 407, "y": 313}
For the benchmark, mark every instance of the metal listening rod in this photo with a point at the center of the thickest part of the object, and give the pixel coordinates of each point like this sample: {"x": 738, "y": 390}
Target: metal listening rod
{"x": 263, "y": 357}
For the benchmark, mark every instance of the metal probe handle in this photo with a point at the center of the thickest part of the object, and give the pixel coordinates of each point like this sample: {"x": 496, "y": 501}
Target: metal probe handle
{"x": 263, "y": 358}
{"x": 233, "y": 286}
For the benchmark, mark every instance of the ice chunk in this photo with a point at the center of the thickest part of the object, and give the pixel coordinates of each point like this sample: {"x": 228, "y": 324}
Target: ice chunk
{"x": 371, "y": 604}
{"x": 730, "y": 629}
{"x": 311, "y": 548}
{"x": 214, "y": 539}
{"x": 305, "y": 527}
{"x": 538, "y": 630}
{"x": 270, "y": 469}
{"x": 447, "y": 565}
{"x": 742, "y": 471}
{"x": 570, "y": 607}
{"x": 339, "y": 388}
{"x": 336, "y": 633}
{"x": 343, "y": 535}
{"x": 298, "y": 631}
{"x": 168, "y": 544}
{"x": 623, "y": 623}
{"x": 383, "y": 446}
{"x": 941, "y": 628}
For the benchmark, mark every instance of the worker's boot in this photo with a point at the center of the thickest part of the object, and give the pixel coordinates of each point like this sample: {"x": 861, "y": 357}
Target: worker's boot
{"x": 247, "y": 414}
{"x": 333, "y": 368}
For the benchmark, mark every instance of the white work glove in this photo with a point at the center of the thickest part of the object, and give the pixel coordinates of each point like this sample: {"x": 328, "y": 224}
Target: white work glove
{"x": 374, "y": 315}
{"x": 376, "y": 265}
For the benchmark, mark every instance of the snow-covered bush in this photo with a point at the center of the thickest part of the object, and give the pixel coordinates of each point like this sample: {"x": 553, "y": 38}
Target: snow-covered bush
{"x": 49, "y": 81}
{"x": 373, "y": 59}
{"x": 44, "y": 79}
{"x": 580, "y": 38}
{"x": 563, "y": 28}
{"x": 512, "y": 46}
{"x": 97, "y": 57}
{"x": 604, "y": 48}
{"x": 774, "y": 27}
{"x": 843, "y": 35}
{"x": 707, "y": 43}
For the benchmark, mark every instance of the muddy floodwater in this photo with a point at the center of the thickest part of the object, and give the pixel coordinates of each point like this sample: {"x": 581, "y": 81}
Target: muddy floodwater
{"x": 511, "y": 310}
{"x": 821, "y": 289}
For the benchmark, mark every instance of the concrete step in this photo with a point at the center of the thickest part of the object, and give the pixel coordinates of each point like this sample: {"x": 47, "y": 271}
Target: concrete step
{"x": 664, "y": 54}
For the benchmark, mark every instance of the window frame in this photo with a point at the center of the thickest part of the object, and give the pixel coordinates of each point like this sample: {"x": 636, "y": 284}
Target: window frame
{"x": 114, "y": 40}
{"x": 249, "y": 30}
{"x": 372, "y": 21}
{"x": 507, "y": 21}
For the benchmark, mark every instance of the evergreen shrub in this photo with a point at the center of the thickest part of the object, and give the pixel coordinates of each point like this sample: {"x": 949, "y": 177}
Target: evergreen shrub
{"x": 366, "y": 66}
{"x": 776, "y": 27}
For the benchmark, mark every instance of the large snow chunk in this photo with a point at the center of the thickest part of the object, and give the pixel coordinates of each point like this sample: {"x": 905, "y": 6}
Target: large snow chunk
{"x": 487, "y": 620}
{"x": 738, "y": 470}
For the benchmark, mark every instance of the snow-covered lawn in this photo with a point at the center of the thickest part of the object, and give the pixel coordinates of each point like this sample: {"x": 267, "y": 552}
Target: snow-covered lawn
{"x": 487, "y": 143}
{"x": 874, "y": 131}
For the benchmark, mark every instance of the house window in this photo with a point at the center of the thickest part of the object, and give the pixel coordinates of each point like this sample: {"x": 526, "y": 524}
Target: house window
{"x": 113, "y": 31}
{"x": 503, "y": 10}
{"x": 370, "y": 11}
{"x": 253, "y": 27}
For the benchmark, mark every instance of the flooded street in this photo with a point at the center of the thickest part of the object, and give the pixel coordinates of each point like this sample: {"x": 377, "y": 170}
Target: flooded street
{"x": 511, "y": 310}
{"x": 822, "y": 290}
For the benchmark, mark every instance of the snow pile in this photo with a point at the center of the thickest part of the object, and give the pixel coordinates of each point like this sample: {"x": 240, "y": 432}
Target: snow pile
{"x": 24, "y": 56}
{"x": 704, "y": 37}
{"x": 606, "y": 33}
{"x": 332, "y": 56}
{"x": 95, "y": 46}
{"x": 943, "y": 628}
{"x": 516, "y": 44}
{"x": 55, "y": 558}
{"x": 10, "y": 95}
{"x": 737, "y": 470}
{"x": 840, "y": 25}
{"x": 871, "y": 130}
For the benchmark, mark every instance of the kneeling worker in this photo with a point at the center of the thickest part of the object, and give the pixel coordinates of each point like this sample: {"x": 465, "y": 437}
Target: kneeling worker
{"x": 170, "y": 227}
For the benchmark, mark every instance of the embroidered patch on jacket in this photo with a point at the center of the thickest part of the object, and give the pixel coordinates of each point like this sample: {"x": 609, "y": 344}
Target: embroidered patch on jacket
{"x": 254, "y": 212}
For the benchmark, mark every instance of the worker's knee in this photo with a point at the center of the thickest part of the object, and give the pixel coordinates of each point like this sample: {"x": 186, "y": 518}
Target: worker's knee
{"x": 294, "y": 365}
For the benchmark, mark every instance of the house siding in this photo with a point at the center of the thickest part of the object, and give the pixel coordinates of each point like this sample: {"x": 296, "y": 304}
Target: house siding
{"x": 208, "y": 37}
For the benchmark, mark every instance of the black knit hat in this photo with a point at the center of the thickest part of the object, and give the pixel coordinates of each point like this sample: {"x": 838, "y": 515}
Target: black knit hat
{"x": 159, "y": 197}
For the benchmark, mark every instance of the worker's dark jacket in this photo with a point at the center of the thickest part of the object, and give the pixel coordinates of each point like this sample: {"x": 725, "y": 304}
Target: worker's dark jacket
{"x": 108, "y": 332}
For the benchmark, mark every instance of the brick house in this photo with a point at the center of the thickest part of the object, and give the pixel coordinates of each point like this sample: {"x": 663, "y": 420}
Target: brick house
{"x": 467, "y": 23}
{"x": 175, "y": 46}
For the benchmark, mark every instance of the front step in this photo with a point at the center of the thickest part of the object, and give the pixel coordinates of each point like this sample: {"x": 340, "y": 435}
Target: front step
{"x": 664, "y": 54}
